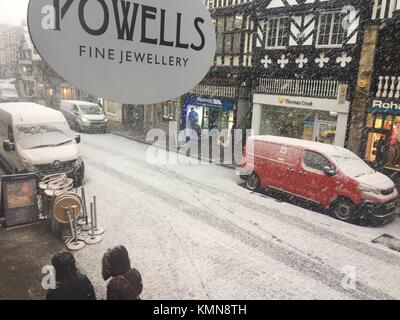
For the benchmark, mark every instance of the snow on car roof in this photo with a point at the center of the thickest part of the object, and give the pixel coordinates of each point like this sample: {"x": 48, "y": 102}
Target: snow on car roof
{"x": 80, "y": 102}
{"x": 30, "y": 113}
{"x": 316, "y": 146}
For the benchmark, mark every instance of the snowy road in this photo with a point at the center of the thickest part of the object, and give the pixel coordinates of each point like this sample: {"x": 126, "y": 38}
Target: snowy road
{"x": 195, "y": 233}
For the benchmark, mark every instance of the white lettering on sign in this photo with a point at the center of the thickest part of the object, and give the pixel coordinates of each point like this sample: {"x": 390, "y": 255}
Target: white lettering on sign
{"x": 130, "y": 51}
{"x": 385, "y": 105}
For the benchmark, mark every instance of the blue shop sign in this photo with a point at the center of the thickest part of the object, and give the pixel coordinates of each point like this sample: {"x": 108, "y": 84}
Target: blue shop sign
{"x": 391, "y": 106}
{"x": 226, "y": 104}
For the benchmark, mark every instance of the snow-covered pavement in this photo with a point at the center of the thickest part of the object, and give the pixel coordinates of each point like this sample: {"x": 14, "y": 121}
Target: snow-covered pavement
{"x": 195, "y": 233}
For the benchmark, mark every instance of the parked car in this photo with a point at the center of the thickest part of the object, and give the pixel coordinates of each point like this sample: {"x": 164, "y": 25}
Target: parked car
{"x": 8, "y": 93}
{"x": 38, "y": 139}
{"x": 84, "y": 116}
{"x": 328, "y": 175}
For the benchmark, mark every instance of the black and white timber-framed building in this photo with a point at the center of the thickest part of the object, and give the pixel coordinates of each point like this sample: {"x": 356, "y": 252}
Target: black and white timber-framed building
{"x": 305, "y": 60}
{"x": 223, "y": 99}
{"x": 382, "y": 112}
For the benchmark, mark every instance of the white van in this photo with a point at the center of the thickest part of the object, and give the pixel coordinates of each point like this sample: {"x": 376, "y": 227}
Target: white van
{"x": 8, "y": 93}
{"x": 83, "y": 116}
{"x": 38, "y": 139}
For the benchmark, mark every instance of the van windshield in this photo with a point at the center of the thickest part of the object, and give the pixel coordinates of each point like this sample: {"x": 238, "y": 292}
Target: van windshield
{"x": 350, "y": 164}
{"x": 90, "y": 109}
{"x": 32, "y": 136}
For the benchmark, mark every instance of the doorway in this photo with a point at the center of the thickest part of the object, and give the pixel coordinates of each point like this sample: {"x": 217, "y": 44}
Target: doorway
{"x": 134, "y": 118}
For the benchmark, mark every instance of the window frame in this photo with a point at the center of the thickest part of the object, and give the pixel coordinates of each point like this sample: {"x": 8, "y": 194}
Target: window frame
{"x": 229, "y": 34}
{"x": 305, "y": 166}
{"x": 329, "y": 45}
{"x": 279, "y": 18}
{"x": 169, "y": 105}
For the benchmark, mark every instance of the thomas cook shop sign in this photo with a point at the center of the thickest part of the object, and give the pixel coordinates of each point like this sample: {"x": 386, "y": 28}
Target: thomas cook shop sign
{"x": 129, "y": 51}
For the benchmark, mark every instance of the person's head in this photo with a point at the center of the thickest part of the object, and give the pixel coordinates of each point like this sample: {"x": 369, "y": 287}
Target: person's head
{"x": 192, "y": 110}
{"x": 115, "y": 262}
{"x": 64, "y": 265}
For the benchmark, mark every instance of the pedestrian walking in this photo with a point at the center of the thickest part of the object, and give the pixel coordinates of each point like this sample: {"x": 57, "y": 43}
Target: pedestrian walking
{"x": 70, "y": 283}
{"x": 126, "y": 282}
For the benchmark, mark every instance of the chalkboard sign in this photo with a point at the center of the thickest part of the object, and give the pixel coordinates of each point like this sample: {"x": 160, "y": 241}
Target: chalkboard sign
{"x": 19, "y": 199}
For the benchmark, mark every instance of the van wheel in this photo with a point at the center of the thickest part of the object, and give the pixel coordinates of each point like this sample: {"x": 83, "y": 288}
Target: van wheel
{"x": 253, "y": 182}
{"x": 343, "y": 209}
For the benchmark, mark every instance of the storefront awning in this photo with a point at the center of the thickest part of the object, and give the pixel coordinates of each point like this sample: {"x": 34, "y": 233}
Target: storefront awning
{"x": 226, "y": 104}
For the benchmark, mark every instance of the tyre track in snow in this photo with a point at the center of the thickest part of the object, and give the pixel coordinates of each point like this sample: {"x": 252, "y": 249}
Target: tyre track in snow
{"x": 374, "y": 252}
{"x": 305, "y": 265}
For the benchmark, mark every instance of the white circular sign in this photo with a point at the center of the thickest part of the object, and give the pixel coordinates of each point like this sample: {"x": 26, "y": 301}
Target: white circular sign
{"x": 129, "y": 51}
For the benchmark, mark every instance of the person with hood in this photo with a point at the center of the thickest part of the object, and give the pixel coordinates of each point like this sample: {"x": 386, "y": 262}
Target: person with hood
{"x": 126, "y": 282}
{"x": 70, "y": 283}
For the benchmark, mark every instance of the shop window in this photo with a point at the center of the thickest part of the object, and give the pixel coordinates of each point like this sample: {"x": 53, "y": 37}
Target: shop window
{"x": 388, "y": 122}
{"x": 378, "y": 122}
{"x": 298, "y": 123}
{"x": 49, "y": 92}
{"x": 169, "y": 111}
{"x": 227, "y": 120}
{"x": 67, "y": 93}
{"x": 111, "y": 108}
{"x": 229, "y": 31}
{"x": 315, "y": 160}
{"x": 277, "y": 32}
{"x": 330, "y": 29}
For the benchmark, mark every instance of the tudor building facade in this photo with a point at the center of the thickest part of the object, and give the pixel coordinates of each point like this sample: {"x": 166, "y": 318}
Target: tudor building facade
{"x": 305, "y": 60}
{"x": 223, "y": 99}
{"x": 379, "y": 112}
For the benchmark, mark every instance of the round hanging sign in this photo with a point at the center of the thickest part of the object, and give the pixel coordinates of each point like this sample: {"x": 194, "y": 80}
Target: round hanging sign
{"x": 129, "y": 51}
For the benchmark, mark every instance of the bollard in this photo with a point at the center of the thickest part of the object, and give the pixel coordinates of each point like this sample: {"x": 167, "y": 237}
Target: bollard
{"x": 92, "y": 238}
{"x": 73, "y": 244}
{"x": 97, "y": 230}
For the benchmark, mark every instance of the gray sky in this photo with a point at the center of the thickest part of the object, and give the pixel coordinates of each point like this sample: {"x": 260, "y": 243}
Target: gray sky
{"x": 13, "y": 11}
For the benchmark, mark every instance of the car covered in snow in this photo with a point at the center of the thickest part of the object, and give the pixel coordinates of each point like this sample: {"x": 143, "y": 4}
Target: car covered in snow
{"x": 38, "y": 139}
{"x": 325, "y": 174}
{"x": 8, "y": 93}
{"x": 83, "y": 116}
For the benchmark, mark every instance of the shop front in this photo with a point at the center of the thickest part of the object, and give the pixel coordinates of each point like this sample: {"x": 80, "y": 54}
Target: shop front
{"x": 138, "y": 120}
{"x": 205, "y": 114}
{"x": 381, "y": 145}
{"x": 313, "y": 119}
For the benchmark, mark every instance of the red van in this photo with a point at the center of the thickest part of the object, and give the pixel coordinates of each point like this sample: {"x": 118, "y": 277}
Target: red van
{"x": 331, "y": 176}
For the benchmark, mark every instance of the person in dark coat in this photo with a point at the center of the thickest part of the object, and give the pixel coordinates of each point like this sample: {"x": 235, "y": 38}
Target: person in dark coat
{"x": 70, "y": 283}
{"x": 126, "y": 282}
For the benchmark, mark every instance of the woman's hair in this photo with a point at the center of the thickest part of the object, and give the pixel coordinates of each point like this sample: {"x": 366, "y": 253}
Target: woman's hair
{"x": 64, "y": 264}
{"x": 115, "y": 262}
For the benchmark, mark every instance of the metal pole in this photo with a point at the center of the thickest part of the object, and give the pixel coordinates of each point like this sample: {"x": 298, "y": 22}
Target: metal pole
{"x": 92, "y": 217}
{"x": 84, "y": 209}
{"x": 75, "y": 235}
{"x": 95, "y": 212}
{"x": 67, "y": 212}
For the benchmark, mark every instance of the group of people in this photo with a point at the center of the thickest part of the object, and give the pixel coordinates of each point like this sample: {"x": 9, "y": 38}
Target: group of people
{"x": 125, "y": 282}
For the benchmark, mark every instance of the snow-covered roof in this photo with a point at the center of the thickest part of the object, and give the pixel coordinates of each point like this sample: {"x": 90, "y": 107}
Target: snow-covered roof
{"x": 11, "y": 80}
{"x": 79, "y": 102}
{"x": 7, "y": 85}
{"x": 30, "y": 113}
{"x": 316, "y": 146}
